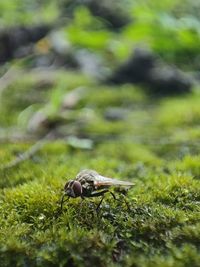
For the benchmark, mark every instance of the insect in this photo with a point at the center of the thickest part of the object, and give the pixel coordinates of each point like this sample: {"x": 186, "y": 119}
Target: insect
{"x": 89, "y": 183}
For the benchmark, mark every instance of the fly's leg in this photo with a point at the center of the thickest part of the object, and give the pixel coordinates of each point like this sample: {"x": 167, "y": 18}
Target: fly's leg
{"x": 127, "y": 205}
{"x": 101, "y": 193}
{"x": 125, "y": 201}
{"x": 63, "y": 201}
{"x": 97, "y": 194}
{"x": 81, "y": 204}
{"x": 98, "y": 206}
{"x": 112, "y": 195}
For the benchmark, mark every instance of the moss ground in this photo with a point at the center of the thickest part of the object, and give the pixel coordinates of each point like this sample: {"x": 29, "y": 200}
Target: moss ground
{"x": 155, "y": 144}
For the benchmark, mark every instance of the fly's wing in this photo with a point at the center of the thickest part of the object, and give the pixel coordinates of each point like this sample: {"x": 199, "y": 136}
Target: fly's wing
{"x": 100, "y": 181}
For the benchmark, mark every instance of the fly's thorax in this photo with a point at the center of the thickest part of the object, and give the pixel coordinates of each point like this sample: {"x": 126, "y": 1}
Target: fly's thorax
{"x": 87, "y": 179}
{"x": 86, "y": 176}
{"x": 88, "y": 189}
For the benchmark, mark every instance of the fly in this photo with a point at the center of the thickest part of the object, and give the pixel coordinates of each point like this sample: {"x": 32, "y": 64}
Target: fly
{"x": 89, "y": 183}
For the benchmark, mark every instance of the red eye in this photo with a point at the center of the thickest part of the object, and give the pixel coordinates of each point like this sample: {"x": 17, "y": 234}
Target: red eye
{"x": 77, "y": 188}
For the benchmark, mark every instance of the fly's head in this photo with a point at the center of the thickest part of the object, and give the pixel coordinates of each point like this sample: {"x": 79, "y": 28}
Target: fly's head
{"x": 73, "y": 189}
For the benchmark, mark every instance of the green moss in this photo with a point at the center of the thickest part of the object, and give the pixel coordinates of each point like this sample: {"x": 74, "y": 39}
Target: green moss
{"x": 161, "y": 228}
{"x": 124, "y": 96}
{"x": 190, "y": 165}
{"x": 180, "y": 111}
{"x": 163, "y": 220}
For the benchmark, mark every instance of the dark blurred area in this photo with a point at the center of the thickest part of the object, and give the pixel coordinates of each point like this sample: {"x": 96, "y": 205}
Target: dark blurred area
{"x": 152, "y": 45}
{"x": 17, "y": 42}
{"x": 103, "y": 35}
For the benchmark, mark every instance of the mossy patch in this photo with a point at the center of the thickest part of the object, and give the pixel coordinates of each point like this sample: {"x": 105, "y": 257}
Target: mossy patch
{"x": 147, "y": 145}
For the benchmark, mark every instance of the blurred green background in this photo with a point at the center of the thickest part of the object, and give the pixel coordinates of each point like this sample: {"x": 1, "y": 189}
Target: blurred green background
{"x": 107, "y": 85}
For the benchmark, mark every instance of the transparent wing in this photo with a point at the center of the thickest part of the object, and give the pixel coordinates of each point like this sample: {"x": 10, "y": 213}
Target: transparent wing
{"x": 97, "y": 180}
{"x": 100, "y": 180}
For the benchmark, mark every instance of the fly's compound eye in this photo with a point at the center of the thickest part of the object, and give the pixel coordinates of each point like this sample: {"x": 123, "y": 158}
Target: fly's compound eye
{"x": 77, "y": 188}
